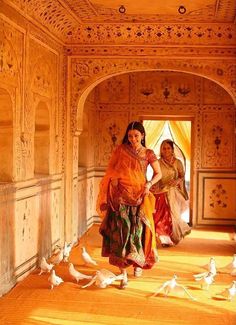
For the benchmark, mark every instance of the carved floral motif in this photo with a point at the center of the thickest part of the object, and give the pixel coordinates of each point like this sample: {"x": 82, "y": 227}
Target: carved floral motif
{"x": 218, "y": 197}
{"x": 217, "y": 140}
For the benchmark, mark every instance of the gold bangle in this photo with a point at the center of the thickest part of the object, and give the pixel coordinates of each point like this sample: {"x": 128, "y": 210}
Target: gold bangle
{"x": 148, "y": 184}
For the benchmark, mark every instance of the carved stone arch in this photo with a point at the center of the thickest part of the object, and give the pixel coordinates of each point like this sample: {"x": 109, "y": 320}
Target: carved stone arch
{"x": 88, "y": 73}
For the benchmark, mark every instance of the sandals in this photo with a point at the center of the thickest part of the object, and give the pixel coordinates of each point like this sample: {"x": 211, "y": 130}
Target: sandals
{"x": 138, "y": 271}
{"x": 123, "y": 283}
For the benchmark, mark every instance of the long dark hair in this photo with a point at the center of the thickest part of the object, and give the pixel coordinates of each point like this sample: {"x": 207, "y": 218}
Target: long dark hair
{"x": 135, "y": 125}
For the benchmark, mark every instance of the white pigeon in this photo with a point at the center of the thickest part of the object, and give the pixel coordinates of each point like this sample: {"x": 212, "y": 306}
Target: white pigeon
{"x": 104, "y": 278}
{"x": 66, "y": 251}
{"x": 230, "y": 292}
{"x": 211, "y": 267}
{"x": 44, "y": 266}
{"x": 54, "y": 279}
{"x": 229, "y": 268}
{"x": 205, "y": 280}
{"x": 57, "y": 257}
{"x": 76, "y": 274}
{"x": 87, "y": 258}
{"x": 172, "y": 286}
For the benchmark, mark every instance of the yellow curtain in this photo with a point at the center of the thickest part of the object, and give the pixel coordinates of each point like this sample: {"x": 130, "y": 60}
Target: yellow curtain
{"x": 153, "y": 130}
{"x": 181, "y": 132}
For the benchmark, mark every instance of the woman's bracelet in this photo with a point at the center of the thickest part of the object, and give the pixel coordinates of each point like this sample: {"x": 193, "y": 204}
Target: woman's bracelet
{"x": 148, "y": 184}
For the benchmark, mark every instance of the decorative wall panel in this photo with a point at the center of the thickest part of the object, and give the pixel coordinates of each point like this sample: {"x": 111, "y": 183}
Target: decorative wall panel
{"x": 56, "y": 203}
{"x": 218, "y": 139}
{"x": 216, "y": 202}
{"x": 26, "y": 232}
{"x": 165, "y": 87}
{"x": 112, "y": 129}
{"x": 115, "y": 90}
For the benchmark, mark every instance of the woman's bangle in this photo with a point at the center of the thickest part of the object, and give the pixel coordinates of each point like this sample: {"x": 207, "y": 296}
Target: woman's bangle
{"x": 148, "y": 184}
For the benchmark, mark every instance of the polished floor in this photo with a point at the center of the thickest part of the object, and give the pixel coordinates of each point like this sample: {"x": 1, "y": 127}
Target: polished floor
{"x": 33, "y": 302}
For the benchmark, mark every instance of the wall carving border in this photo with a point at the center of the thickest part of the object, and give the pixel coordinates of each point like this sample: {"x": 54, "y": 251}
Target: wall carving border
{"x": 166, "y": 34}
{"x": 87, "y": 73}
{"x": 151, "y": 51}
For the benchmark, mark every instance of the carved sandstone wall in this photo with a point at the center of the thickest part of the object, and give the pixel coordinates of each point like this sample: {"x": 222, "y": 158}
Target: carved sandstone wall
{"x": 31, "y": 179}
{"x": 59, "y": 122}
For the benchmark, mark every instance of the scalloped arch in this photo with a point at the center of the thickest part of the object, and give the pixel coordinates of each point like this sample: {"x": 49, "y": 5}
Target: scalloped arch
{"x": 84, "y": 94}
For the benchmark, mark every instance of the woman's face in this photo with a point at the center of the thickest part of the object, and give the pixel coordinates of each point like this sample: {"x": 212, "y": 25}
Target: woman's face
{"x": 166, "y": 150}
{"x": 135, "y": 137}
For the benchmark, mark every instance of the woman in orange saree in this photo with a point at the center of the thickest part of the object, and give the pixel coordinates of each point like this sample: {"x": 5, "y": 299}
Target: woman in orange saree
{"x": 126, "y": 206}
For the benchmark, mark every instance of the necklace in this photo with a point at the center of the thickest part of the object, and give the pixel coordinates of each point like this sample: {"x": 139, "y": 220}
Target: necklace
{"x": 137, "y": 150}
{"x": 170, "y": 161}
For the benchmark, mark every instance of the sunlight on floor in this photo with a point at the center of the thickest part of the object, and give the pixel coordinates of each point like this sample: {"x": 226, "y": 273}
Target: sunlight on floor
{"x": 213, "y": 233}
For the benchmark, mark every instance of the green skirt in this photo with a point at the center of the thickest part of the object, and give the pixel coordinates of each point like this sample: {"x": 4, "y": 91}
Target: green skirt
{"x": 122, "y": 233}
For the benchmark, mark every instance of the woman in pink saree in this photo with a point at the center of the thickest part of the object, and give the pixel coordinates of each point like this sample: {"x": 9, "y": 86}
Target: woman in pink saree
{"x": 171, "y": 198}
{"x": 126, "y": 206}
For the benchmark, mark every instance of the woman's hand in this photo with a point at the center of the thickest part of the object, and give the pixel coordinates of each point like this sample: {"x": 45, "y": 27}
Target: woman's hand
{"x": 147, "y": 188}
{"x": 146, "y": 191}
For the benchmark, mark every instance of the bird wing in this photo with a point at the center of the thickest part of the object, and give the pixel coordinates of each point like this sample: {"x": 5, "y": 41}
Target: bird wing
{"x": 162, "y": 287}
{"x": 58, "y": 279}
{"x": 90, "y": 282}
{"x": 182, "y": 289}
{"x": 199, "y": 276}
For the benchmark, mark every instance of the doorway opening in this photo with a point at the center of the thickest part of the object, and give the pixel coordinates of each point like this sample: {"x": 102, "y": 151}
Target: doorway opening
{"x": 178, "y": 131}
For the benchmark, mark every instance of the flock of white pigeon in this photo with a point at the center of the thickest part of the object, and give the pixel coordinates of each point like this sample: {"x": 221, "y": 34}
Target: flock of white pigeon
{"x": 101, "y": 279}
{"x": 205, "y": 279}
{"x": 104, "y": 277}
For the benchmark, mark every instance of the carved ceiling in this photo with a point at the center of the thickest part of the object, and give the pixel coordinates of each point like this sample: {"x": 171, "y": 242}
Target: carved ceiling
{"x": 90, "y": 21}
{"x": 153, "y": 11}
